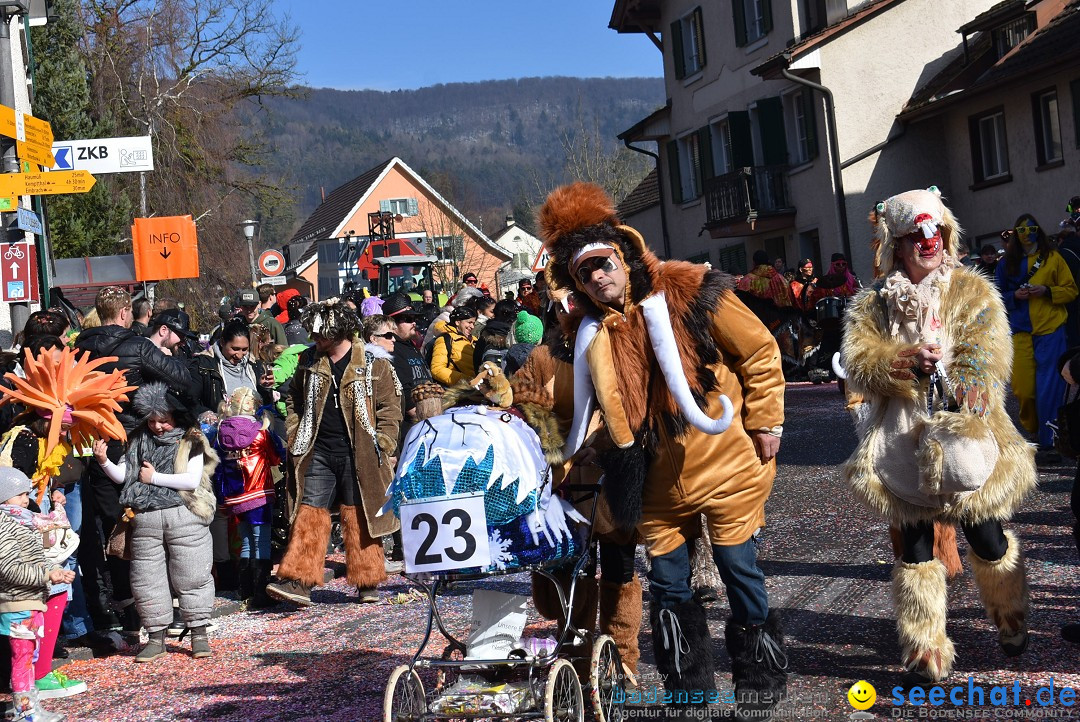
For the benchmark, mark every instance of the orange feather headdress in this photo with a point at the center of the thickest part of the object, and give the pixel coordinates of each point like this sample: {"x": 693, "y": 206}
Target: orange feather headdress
{"x": 66, "y": 386}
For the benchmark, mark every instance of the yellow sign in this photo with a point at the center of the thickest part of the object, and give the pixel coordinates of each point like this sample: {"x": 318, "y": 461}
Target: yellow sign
{"x": 35, "y": 131}
{"x": 35, "y": 153}
{"x": 39, "y": 184}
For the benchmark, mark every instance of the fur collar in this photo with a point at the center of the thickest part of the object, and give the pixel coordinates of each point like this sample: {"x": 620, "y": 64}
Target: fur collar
{"x": 378, "y": 351}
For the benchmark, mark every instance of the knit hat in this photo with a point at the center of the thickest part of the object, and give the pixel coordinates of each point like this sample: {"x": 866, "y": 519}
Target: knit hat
{"x": 12, "y": 483}
{"x": 528, "y": 328}
{"x": 283, "y": 297}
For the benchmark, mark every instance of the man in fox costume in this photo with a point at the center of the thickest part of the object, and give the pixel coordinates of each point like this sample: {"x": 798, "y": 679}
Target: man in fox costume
{"x": 665, "y": 349}
{"x": 928, "y": 347}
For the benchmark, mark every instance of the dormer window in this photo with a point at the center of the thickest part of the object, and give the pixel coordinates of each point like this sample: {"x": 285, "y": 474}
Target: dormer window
{"x": 1008, "y": 36}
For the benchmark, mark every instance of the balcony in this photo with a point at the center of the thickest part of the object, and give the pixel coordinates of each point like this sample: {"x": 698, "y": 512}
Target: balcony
{"x": 748, "y": 201}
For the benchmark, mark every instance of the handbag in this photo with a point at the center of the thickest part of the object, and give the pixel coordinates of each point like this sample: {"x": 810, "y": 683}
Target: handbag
{"x": 119, "y": 543}
{"x": 1067, "y": 428}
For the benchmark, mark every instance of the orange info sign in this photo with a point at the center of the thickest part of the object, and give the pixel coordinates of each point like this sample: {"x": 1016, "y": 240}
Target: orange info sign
{"x": 165, "y": 247}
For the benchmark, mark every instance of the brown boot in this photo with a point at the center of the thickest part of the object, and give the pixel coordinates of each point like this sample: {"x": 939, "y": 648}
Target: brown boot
{"x": 620, "y": 617}
{"x": 365, "y": 564}
{"x": 1003, "y": 587}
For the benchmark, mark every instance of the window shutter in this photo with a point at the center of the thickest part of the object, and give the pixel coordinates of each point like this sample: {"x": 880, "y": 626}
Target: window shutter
{"x": 384, "y": 206}
{"x": 810, "y": 118}
{"x": 677, "y": 49}
{"x": 766, "y": 15}
{"x": 414, "y": 207}
{"x": 1074, "y": 91}
{"x": 705, "y": 151}
{"x": 673, "y": 171}
{"x": 738, "y": 12}
{"x": 770, "y": 112}
{"x": 742, "y": 147}
{"x": 699, "y": 35}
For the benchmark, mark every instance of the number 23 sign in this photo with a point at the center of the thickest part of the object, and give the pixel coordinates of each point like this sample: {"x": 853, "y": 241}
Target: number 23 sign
{"x": 445, "y": 534}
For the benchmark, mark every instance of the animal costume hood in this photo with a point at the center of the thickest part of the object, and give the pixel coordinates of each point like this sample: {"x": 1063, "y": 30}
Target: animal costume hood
{"x": 670, "y": 320}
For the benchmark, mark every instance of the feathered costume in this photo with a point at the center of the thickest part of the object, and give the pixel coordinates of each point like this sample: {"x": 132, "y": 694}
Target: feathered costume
{"x": 682, "y": 372}
{"x": 931, "y": 450}
{"x": 68, "y": 392}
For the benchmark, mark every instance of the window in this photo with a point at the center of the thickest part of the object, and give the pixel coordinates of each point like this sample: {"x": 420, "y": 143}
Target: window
{"x": 804, "y": 125}
{"x": 699, "y": 258}
{"x": 684, "y": 166}
{"x": 688, "y": 44}
{"x": 522, "y": 261}
{"x": 1008, "y": 36}
{"x": 400, "y": 206}
{"x": 732, "y": 259}
{"x": 720, "y": 140}
{"x": 753, "y": 20}
{"x": 769, "y": 114}
{"x": 989, "y": 150}
{"x": 448, "y": 248}
{"x": 1074, "y": 91}
{"x": 1044, "y": 107}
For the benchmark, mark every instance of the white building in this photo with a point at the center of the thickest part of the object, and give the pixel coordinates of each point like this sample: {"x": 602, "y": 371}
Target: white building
{"x": 524, "y": 246}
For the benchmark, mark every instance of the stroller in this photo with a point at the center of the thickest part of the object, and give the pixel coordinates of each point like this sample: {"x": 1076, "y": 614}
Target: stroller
{"x": 473, "y": 492}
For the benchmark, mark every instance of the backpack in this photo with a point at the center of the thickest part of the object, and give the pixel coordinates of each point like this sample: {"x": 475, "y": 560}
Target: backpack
{"x": 429, "y": 354}
{"x": 496, "y": 356}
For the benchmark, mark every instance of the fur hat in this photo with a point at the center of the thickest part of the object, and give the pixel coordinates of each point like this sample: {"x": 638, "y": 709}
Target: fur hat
{"x": 575, "y": 219}
{"x": 330, "y": 319}
{"x": 906, "y": 213}
{"x": 155, "y": 399}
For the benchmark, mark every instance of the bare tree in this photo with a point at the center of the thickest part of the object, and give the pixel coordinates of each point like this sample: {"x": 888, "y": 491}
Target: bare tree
{"x": 592, "y": 158}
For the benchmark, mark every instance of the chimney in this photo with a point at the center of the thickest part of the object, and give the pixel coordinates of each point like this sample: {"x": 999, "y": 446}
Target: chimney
{"x": 509, "y": 219}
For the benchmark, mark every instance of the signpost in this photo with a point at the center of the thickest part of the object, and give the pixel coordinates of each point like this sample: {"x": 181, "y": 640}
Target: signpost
{"x": 165, "y": 247}
{"x": 28, "y": 221}
{"x": 105, "y": 155}
{"x": 39, "y": 184}
{"x": 33, "y": 136}
{"x": 541, "y": 260}
{"x": 18, "y": 272}
{"x": 271, "y": 263}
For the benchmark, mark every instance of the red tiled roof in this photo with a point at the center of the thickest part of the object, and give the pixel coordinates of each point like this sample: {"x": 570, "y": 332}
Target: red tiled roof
{"x": 645, "y": 195}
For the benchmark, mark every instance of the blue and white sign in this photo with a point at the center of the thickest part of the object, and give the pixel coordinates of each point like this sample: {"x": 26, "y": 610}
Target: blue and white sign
{"x": 28, "y": 221}
{"x": 105, "y": 155}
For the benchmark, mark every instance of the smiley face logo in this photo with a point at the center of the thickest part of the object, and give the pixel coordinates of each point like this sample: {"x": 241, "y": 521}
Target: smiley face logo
{"x": 862, "y": 695}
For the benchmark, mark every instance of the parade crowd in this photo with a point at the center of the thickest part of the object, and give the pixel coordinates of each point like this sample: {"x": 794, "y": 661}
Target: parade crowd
{"x": 133, "y": 453}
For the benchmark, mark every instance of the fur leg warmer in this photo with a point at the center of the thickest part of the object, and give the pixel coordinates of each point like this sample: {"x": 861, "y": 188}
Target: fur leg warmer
{"x": 758, "y": 665}
{"x": 365, "y": 565}
{"x": 305, "y": 557}
{"x": 1004, "y": 591}
{"x": 683, "y": 650}
{"x": 620, "y": 617}
{"x": 920, "y": 596}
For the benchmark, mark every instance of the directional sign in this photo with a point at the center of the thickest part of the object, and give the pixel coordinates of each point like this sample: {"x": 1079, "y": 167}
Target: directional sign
{"x": 39, "y": 184}
{"x": 165, "y": 247}
{"x": 34, "y": 136}
{"x": 28, "y": 221}
{"x": 541, "y": 260}
{"x": 271, "y": 262}
{"x": 105, "y": 155}
{"x": 18, "y": 272}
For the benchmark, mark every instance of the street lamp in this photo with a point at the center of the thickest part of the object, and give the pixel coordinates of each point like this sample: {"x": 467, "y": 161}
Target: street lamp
{"x": 249, "y": 234}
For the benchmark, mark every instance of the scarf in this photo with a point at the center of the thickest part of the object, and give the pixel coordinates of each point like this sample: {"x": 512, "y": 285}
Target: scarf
{"x": 916, "y": 307}
{"x": 233, "y": 375}
{"x": 160, "y": 451}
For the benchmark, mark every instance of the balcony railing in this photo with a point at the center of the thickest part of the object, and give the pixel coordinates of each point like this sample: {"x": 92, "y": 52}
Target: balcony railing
{"x": 746, "y": 194}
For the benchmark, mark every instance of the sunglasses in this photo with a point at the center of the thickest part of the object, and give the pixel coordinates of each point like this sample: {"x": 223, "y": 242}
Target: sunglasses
{"x": 1025, "y": 231}
{"x": 471, "y": 282}
{"x": 389, "y": 335}
{"x": 526, "y": 288}
{"x": 404, "y": 318}
{"x": 587, "y": 269}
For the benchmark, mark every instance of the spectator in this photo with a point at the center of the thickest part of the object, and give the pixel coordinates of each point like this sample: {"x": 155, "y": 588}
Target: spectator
{"x": 528, "y": 332}
{"x": 283, "y": 298}
{"x": 294, "y": 330}
{"x": 44, "y": 323}
{"x": 141, "y": 361}
{"x": 248, "y": 303}
{"x": 495, "y": 338}
{"x": 485, "y": 311}
{"x": 452, "y": 355}
{"x": 426, "y": 310}
{"x": 439, "y": 324}
{"x": 268, "y": 299}
{"x": 141, "y": 309}
{"x": 528, "y": 297}
{"x": 228, "y": 366}
{"x": 469, "y": 279}
{"x": 170, "y": 330}
{"x": 165, "y": 480}
{"x": 988, "y": 260}
{"x": 371, "y": 306}
{"x": 331, "y": 462}
{"x": 1036, "y": 285}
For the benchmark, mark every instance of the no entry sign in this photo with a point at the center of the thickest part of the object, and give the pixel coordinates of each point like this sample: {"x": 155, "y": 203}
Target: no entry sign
{"x": 271, "y": 263}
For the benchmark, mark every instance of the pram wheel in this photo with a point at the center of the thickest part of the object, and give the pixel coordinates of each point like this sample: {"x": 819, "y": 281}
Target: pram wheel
{"x": 404, "y": 699}
{"x": 605, "y": 679}
{"x": 562, "y": 694}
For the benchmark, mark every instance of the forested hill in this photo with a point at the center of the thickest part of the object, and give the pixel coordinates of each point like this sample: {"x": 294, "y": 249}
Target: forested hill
{"x": 485, "y": 145}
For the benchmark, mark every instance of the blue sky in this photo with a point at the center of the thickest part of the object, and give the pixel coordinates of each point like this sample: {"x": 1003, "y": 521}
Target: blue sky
{"x": 355, "y": 44}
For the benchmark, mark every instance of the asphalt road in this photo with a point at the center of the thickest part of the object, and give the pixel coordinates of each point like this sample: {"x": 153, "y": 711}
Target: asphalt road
{"x": 826, "y": 558}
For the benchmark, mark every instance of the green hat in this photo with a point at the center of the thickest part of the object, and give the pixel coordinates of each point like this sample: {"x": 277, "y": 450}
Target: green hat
{"x": 528, "y": 328}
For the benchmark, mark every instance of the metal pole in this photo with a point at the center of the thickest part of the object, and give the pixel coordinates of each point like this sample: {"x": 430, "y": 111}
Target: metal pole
{"x": 44, "y": 246}
{"x": 8, "y": 162}
{"x": 251, "y": 258}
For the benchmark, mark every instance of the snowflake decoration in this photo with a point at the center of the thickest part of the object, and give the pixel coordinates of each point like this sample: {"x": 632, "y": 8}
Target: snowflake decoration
{"x": 500, "y": 550}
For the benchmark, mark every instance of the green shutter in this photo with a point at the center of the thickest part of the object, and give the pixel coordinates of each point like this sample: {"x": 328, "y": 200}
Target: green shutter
{"x": 699, "y": 35}
{"x": 1074, "y": 90}
{"x": 673, "y": 171}
{"x": 810, "y": 118}
{"x": 770, "y": 113}
{"x": 738, "y": 13}
{"x": 766, "y": 15}
{"x": 677, "y": 49}
{"x": 742, "y": 147}
{"x": 695, "y": 160}
{"x": 976, "y": 150}
{"x": 705, "y": 150}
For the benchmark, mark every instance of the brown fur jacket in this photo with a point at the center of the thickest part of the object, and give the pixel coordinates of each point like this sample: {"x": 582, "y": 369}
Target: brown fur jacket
{"x": 977, "y": 350}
